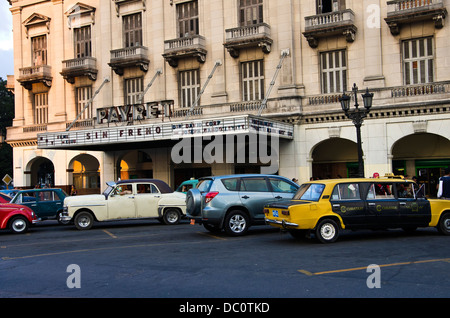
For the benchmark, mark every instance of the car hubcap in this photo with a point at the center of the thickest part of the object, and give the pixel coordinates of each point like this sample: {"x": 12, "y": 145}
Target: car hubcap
{"x": 19, "y": 225}
{"x": 327, "y": 231}
{"x": 84, "y": 221}
{"x": 237, "y": 223}
{"x": 172, "y": 217}
{"x": 447, "y": 224}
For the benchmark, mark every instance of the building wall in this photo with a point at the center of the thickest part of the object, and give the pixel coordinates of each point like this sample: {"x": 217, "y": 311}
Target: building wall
{"x": 374, "y": 60}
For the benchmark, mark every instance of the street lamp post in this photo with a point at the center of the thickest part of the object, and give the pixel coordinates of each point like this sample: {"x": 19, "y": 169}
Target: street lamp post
{"x": 357, "y": 116}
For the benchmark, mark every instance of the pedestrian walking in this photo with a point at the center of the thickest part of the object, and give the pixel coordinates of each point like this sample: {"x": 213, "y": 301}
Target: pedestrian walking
{"x": 444, "y": 186}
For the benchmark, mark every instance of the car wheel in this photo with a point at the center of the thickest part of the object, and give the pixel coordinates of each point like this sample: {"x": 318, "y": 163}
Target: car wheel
{"x": 171, "y": 216}
{"x": 444, "y": 224}
{"x": 327, "y": 231}
{"x": 84, "y": 221}
{"x": 237, "y": 223}
{"x": 193, "y": 202}
{"x": 19, "y": 224}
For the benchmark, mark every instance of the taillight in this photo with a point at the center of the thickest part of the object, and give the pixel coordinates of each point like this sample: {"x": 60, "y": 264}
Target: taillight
{"x": 285, "y": 212}
{"x": 209, "y": 196}
{"x": 266, "y": 211}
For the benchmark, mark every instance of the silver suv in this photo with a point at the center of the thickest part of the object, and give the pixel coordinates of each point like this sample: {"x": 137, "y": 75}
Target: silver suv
{"x": 234, "y": 202}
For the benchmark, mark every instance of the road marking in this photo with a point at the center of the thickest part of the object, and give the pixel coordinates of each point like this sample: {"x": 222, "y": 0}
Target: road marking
{"x": 110, "y": 234}
{"x": 213, "y": 236}
{"x": 308, "y": 273}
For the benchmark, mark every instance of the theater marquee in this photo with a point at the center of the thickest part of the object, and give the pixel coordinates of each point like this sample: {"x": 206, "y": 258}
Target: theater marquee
{"x": 164, "y": 131}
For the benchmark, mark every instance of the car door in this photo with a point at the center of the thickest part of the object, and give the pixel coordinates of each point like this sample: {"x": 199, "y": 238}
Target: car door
{"x": 146, "y": 200}
{"x": 414, "y": 211}
{"x": 28, "y": 198}
{"x": 254, "y": 193}
{"x": 121, "y": 202}
{"x": 48, "y": 203}
{"x": 347, "y": 202}
{"x": 281, "y": 189}
{"x": 382, "y": 205}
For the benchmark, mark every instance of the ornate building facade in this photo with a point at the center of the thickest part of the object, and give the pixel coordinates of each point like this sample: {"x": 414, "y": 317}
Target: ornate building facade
{"x": 105, "y": 87}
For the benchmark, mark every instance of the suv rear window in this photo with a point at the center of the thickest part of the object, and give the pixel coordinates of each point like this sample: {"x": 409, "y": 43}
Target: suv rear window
{"x": 231, "y": 184}
{"x": 204, "y": 185}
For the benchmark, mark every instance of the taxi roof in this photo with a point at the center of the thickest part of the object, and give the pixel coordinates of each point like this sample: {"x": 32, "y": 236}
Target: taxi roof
{"x": 354, "y": 180}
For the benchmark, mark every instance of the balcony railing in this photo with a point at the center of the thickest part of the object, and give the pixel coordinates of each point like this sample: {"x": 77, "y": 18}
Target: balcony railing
{"x": 190, "y": 46}
{"x": 129, "y": 57}
{"x": 248, "y": 36}
{"x": 85, "y": 66}
{"x": 409, "y": 11}
{"x": 328, "y": 24}
{"x": 35, "y": 74}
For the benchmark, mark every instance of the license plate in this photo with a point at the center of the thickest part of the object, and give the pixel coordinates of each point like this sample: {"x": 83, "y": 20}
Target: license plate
{"x": 275, "y": 213}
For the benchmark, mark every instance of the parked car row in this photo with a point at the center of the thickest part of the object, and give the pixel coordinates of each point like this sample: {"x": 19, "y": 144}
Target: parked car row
{"x": 234, "y": 203}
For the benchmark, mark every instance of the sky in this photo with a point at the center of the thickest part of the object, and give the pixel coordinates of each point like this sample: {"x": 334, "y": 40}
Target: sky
{"x": 6, "y": 41}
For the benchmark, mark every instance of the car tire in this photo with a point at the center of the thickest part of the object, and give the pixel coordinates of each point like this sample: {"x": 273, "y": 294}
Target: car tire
{"x": 171, "y": 216}
{"x": 84, "y": 221}
{"x": 236, "y": 223}
{"x": 19, "y": 224}
{"x": 444, "y": 224}
{"x": 193, "y": 202}
{"x": 327, "y": 231}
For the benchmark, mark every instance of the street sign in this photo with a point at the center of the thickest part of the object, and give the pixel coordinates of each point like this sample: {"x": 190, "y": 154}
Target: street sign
{"x": 7, "y": 179}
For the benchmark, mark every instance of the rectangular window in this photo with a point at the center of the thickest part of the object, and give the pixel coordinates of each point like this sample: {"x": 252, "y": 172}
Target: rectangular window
{"x": 132, "y": 30}
{"x": 133, "y": 90}
{"x": 418, "y": 61}
{"x": 327, "y": 6}
{"x": 333, "y": 71}
{"x": 250, "y": 12}
{"x": 252, "y": 80}
{"x": 189, "y": 87}
{"x": 40, "y": 108}
{"x": 39, "y": 48}
{"x": 82, "y": 42}
{"x": 84, "y": 94}
{"x": 187, "y": 16}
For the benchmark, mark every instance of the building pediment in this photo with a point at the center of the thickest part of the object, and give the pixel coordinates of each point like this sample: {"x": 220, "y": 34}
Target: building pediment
{"x": 80, "y": 14}
{"x": 36, "y": 20}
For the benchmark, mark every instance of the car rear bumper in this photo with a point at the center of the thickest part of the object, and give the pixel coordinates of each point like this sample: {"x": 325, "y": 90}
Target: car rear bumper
{"x": 282, "y": 223}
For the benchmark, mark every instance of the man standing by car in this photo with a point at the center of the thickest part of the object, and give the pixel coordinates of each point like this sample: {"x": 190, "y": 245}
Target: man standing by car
{"x": 444, "y": 186}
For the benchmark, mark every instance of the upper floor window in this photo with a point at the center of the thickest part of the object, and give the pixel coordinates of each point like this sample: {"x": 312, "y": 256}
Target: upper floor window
{"x": 133, "y": 90}
{"x": 82, "y": 39}
{"x": 40, "y": 105}
{"x": 333, "y": 71}
{"x": 39, "y": 50}
{"x": 250, "y": 12}
{"x": 187, "y": 15}
{"x": 252, "y": 80}
{"x": 189, "y": 87}
{"x": 326, "y": 6}
{"x": 84, "y": 94}
{"x": 132, "y": 30}
{"x": 418, "y": 61}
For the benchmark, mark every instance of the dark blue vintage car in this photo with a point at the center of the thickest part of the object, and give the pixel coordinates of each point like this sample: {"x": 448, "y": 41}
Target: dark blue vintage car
{"x": 46, "y": 203}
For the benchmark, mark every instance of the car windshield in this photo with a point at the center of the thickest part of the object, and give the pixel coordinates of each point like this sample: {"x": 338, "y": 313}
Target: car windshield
{"x": 309, "y": 192}
{"x": 108, "y": 191}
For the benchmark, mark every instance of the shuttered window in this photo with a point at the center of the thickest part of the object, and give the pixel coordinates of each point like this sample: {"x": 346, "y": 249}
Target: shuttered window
{"x": 250, "y": 12}
{"x": 82, "y": 39}
{"x": 252, "y": 80}
{"x": 187, "y": 15}
{"x": 39, "y": 48}
{"x": 84, "y": 94}
{"x": 418, "y": 61}
{"x": 132, "y": 30}
{"x": 40, "y": 108}
{"x": 133, "y": 90}
{"x": 189, "y": 87}
{"x": 333, "y": 71}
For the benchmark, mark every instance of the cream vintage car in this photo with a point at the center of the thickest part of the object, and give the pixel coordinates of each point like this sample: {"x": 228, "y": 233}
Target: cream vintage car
{"x": 126, "y": 199}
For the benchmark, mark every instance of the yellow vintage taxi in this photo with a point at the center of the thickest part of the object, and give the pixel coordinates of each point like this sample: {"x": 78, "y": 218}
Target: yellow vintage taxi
{"x": 326, "y": 207}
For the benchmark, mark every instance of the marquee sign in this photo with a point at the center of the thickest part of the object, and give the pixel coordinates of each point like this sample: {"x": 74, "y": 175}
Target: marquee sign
{"x": 164, "y": 131}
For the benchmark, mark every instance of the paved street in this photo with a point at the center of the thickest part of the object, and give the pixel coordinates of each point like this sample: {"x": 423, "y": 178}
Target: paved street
{"x": 148, "y": 259}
